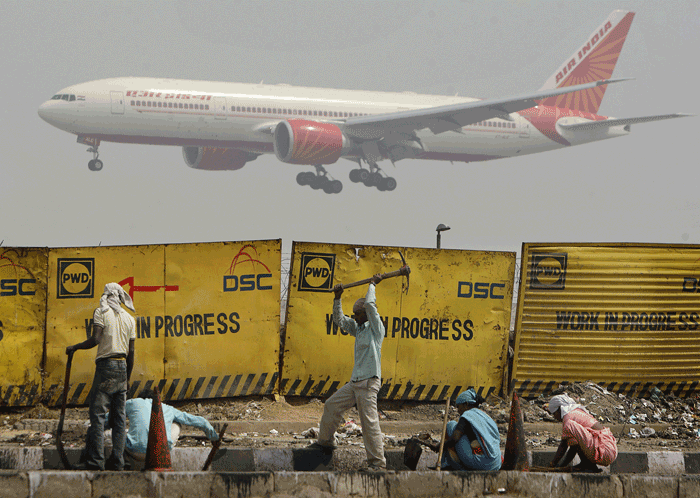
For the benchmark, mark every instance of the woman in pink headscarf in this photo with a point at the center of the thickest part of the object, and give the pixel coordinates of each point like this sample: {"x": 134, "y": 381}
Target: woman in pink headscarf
{"x": 583, "y": 435}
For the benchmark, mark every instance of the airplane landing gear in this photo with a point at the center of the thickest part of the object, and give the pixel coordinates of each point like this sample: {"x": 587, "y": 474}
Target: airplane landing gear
{"x": 94, "y": 164}
{"x": 320, "y": 180}
{"x": 373, "y": 178}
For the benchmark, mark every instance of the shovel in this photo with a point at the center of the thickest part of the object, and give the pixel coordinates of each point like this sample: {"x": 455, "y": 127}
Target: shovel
{"x": 59, "y": 431}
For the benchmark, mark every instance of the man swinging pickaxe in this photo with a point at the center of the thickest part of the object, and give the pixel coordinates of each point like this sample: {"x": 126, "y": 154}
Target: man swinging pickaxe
{"x": 368, "y": 330}
{"x": 404, "y": 270}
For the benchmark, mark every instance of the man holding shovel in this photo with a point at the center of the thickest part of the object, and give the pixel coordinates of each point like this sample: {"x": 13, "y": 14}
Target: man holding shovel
{"x": 114, "y": 334}
{"x": 363, "y": 388}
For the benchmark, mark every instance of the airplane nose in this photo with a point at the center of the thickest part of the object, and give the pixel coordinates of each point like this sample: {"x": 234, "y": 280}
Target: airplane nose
{"x": 44, "y": 111}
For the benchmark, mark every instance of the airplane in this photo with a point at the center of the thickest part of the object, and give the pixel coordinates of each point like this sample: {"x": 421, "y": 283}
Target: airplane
{"x": 223, "y": 126}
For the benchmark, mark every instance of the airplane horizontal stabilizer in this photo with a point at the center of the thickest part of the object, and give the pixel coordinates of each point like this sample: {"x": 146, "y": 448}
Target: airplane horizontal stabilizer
{"x": 608, "y": 123}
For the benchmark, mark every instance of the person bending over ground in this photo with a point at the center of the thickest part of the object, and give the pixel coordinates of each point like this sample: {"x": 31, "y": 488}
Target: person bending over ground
{"x": 473, "y": 443}
{"x": 583, "y": 435}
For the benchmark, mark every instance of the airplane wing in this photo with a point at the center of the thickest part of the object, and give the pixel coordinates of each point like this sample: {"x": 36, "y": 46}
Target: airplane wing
{"x": 452, "y": 117}
{"x": 599, "y": 125}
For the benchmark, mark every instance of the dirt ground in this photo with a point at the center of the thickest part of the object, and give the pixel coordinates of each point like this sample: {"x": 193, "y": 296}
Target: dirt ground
{"x": 658, "y": 423}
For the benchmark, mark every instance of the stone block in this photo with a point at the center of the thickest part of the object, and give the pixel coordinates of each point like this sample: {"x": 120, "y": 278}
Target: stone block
{"x": 415, "y": 484}
{"x": 52, "y": 460}
{"x": 123, "y": 484}
{"x": 666, "y": 463}
{"x": 689, "y": 486}
{"x": 14, "y": 484}
{"x": 464, "y": 484}
{"x": 649, "y": 486}
{"x": 51, "y": 484}
{"x": 189, "y": 459}
{"x": 551, "y": 485}
{"x": 358, "y": 484}
{"x": 273, "y": 459}
{"x": 594, "y": 486}
{"x": 292, "y": 482}
{"x": 630, "y": 463}
{"x": 233, "y": 460}
{"x": 241, "y": 485}
{"x": 542, "y": 458}
{"x": 179, "y": 484}
{"x": 692, "y": 463}
{"x": 311, "y": 460}
{"x": 21, "y": 458}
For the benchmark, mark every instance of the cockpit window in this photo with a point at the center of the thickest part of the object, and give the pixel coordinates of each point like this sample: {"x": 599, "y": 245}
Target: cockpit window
{"x": 56, "y": 97}
{"x": 64, "y": 96}
{"x": 72, "y": 97}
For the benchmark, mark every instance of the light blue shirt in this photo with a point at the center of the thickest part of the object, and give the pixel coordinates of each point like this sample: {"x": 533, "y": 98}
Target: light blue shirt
{"x": 138, "y": 412}
{"x": 368, "y": 337}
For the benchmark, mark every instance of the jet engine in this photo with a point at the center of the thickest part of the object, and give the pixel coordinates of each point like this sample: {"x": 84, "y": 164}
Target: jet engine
{"x": 216, "y": 158}
{"x": 299, "y": 141}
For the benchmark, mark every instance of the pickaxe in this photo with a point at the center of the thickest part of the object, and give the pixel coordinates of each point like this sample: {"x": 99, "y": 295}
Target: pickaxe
{"x": 404, "y": 270}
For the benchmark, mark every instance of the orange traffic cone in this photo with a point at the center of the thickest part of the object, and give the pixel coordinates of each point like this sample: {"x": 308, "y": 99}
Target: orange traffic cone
{"x": 157, "y": 451}
{"x": 515, "y": 457}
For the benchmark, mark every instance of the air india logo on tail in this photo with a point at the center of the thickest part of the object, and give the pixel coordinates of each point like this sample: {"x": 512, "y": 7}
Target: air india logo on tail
{"x": 316, "y": 272}
{"x": 548, "y": 270}
{"x": 594, "y": 61}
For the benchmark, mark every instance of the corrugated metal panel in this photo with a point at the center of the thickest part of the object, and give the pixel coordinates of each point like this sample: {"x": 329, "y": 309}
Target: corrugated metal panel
{"x": 625, "y": 316}
{"x": 447, "y": 334}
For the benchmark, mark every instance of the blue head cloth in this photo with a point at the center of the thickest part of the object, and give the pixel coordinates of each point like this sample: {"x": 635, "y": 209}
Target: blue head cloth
{"x": 467, "y": 397}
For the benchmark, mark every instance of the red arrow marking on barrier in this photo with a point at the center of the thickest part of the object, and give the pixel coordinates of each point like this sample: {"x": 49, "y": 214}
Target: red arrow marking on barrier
{"x": 146, "y": 288}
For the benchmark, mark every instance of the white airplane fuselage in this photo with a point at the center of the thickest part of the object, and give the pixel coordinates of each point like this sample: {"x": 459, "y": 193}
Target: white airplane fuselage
{"x": 208, "y": 114}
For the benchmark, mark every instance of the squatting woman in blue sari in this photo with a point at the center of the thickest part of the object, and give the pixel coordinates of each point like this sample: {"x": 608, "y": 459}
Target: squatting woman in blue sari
{"x": 472, "y": 443}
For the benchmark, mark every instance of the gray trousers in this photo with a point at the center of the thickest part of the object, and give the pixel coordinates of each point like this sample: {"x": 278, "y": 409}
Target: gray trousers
{"x": 364, "y": 395}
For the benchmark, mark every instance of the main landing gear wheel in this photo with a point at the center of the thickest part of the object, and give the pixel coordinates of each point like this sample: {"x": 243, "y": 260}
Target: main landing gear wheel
{"x": 334, "y": 187}
{"x": 387, "y": 184}
{"x": 95, "y": 165}
{"x": 320, "y": 180}
{"x": 305, "y": 178}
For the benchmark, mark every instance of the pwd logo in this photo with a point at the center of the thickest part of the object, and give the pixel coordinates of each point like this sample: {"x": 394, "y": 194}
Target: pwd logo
{"x": 76, "y": 278}
{"x": 316, "y": 272}
{"x": 548, "y": 271}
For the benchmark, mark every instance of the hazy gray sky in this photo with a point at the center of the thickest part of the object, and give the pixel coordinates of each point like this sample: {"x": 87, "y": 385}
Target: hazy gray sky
{"x": 640, "y": 188}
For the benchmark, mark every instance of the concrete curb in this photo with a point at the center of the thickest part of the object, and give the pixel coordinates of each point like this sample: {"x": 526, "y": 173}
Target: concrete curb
{"x": 408, "y": 484}
{"x": 276, "y": 459}
{"x": 265, "y": 426}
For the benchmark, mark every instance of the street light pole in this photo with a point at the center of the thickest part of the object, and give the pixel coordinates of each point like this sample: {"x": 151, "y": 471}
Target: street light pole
{"x": 440, "y": 228}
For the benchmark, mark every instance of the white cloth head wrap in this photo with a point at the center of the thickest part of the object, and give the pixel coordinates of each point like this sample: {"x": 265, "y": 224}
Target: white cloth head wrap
{"x": 565, "y": 402}
{"x": 113, "y": 296}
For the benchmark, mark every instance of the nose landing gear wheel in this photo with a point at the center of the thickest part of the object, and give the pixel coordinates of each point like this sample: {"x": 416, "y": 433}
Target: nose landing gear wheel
{"x": 95, "y": 165}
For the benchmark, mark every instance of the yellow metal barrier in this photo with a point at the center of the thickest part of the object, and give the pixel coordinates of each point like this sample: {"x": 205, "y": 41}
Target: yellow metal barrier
{"x": 207, "y": 316}
{"x": 22, "y": 323}
{"x": 624, "y": 316}
{"x": 448, "y": 333}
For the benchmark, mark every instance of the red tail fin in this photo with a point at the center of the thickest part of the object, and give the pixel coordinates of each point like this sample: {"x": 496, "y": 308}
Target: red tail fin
{"x": 595, "y": 60}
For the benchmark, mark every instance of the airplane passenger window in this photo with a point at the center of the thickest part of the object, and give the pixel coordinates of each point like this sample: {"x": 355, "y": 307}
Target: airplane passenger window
{"x": 196, "y": 106}
{"x": 138, "y": 102}
{"x": 207, "y": 107}
{"x": 325, "y": 113}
